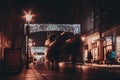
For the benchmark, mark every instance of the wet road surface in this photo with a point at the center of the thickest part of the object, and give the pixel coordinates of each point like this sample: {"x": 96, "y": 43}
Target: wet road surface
{"x": 82, "y": 73}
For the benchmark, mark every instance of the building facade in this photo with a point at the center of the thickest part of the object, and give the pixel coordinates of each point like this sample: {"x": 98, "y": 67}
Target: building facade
{"x": 100, "y": 26}
{"x": 4, "y": 43}
{"x": 10, "y": 27}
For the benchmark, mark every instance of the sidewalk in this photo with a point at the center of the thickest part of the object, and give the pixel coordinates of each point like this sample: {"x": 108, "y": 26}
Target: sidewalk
{"x": 113, "y": 68}
{"x": 93, "y": 65}
{"x": 26, "y": 74}
{"x": 103, "y": 65}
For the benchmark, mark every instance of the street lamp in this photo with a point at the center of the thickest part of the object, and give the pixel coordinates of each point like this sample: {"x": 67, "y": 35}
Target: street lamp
{"x": 28, "y": 18}
{"x": 83, "y": 38}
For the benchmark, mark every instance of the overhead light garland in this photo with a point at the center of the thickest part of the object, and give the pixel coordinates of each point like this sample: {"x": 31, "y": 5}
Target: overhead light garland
{"x": 75, "y": 28}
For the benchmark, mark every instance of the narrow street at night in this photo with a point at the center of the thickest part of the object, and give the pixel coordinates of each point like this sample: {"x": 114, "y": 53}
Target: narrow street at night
{"x": 59, "y": 39}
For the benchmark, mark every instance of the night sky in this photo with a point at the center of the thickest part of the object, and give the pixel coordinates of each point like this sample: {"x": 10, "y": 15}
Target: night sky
{"x": 45, "y": 11}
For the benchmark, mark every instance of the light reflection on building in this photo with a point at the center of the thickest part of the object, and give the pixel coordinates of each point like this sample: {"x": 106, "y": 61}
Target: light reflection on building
{"x": 4, "y": 43}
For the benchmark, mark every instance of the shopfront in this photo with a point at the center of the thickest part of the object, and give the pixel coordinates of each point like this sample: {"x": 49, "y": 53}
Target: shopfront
{"x": 92, "y": 43}
{"x": 118, "y": 49}
{"x": 107, "y": 45}
{"x": 85, "y": 53}
{"x": 95, "y": 51}
{"x": 112, "y": 42}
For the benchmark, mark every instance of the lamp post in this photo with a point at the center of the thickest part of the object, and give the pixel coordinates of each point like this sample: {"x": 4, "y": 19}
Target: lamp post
{"x": 28, "y": 17}
{"x": 83, "y": 39}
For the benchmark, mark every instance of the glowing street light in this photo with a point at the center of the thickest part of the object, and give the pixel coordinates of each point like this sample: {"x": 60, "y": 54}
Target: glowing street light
{"x": 83, "y": 38}
{"x": 28, "y": 16}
